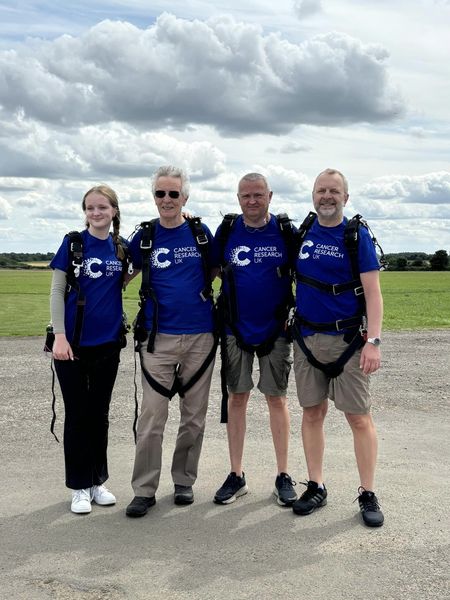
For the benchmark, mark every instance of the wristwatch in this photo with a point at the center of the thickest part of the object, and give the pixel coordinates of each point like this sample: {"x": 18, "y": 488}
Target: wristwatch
{"x": 374, "y": 341}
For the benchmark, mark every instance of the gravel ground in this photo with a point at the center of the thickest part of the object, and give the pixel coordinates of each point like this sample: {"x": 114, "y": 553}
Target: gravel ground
{"x": 252, "y": 549}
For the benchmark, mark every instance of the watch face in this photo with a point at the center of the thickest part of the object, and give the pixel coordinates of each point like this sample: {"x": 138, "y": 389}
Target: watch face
{"x": 374, "y": 341}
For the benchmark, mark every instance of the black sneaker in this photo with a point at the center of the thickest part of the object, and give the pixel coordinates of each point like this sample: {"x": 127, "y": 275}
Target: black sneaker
{"x": 233, "y": 487}
{"x": 183, "y": 494}
{"x": 139, "y": 506}
{"x": 370, "y": 509}
{"x": 314, "y": 497}
{"x": 284, "y": 490}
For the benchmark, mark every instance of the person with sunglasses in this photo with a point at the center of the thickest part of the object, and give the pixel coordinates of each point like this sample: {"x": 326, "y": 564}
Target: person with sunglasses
{"x": 177, "y": 346}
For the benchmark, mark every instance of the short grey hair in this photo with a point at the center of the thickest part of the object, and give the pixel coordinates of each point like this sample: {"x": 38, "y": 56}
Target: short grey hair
{"x": 333, "y": 172}
{"x": 171, "y": 171}
{"x": 254, "y": 177}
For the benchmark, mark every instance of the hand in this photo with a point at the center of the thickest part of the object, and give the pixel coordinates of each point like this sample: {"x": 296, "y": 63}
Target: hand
{"x": 370, "y": 359}
{"x": 61, "y": 348}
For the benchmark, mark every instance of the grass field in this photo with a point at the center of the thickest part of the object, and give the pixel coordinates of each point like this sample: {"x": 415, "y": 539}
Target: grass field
{"x": 412, "y": 300}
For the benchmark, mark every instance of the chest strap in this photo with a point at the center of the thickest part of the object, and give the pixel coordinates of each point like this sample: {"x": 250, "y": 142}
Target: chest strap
{"x": 333, "y": 288}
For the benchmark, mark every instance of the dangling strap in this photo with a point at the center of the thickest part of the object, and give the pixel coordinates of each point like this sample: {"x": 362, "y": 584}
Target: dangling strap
{"x": 52, "y": 425}
{"x": 136, "y": 403}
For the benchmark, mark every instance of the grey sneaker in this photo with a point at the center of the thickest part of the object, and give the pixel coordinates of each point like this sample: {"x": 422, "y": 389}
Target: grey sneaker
{"x": 370, "y": 509}
{"x": 233, "y": 487}
{"x": 284, "y": 490}
{"x": 314, "y": 497}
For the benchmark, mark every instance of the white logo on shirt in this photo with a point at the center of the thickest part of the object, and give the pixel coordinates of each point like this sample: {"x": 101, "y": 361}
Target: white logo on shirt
{"x": 87, "y": 266}
{"x": 155, "y": 258}
{"x": 234, "y": 256}
{"x": 303, "y": 255}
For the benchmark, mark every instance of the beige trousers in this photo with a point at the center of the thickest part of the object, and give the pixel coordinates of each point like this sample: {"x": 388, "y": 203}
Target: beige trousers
{"x": 188, "y": 352}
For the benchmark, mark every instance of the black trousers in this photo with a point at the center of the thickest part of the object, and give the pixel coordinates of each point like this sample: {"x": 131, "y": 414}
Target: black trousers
{"x": 86, "y": 385}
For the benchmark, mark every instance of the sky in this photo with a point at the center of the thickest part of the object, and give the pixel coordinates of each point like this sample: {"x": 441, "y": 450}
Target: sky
{"x": 107, "y": 91}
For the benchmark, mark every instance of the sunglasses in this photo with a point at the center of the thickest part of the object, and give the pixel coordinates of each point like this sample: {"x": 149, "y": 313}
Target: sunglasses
{"x": 162, "y": 194}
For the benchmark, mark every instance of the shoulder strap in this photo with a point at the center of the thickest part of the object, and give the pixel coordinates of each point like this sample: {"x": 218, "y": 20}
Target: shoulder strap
{"x": 291, "y": 240}
{"x": 226, "y": 226}
{"x": 73, "y": 272}
{"x": 351, "y": 241}
{"x": 202, "y": 243}
{"x": 148, "y": 235}
{"x": 75, "y": 243}
{"x": 145, "y": 291}
{"x": 306, "y": 226}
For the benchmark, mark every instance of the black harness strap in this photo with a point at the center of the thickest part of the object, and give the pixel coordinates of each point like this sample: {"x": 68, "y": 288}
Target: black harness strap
{"x": 177, "y": 386}
{"x": 52, "y": 424}
{"x": 202, "y": 244}
{"x": 339, "y": 325}
{"x": 76, "y": 262}
{"x": 146, "y": 292}
{"x": 335, "y": 368}
{"x": 333, "y": 288}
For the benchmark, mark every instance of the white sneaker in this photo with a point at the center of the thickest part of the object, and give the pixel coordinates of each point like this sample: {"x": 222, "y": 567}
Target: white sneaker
{"x": 81, "y": 501}
{"x": 101, "y": 495}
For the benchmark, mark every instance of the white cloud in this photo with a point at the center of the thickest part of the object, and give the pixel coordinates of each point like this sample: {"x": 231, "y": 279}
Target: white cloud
{"x": 5, "y": 208}
{"x": 306, "y": 8}
{"x": 294, "y": 147}
{"x": 221, "y": 72}
{"x": 431, "y": 188}
{"x": 111, "y": 150}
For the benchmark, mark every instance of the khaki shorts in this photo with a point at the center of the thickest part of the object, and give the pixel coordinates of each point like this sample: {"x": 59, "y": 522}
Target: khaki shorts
{"x": 274, "y": 368}
{"x": 349, "y": 391}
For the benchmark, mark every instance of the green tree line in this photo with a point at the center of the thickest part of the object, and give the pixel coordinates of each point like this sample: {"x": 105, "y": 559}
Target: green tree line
{"x": 401, "y": 261}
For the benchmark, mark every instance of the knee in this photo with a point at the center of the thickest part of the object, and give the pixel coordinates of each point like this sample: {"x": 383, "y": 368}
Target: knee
{"x": 238, "y": 401}
{"x": 315, "y": 414}
{"x": 276, "y": 402}
{"x": 360, "y": 422}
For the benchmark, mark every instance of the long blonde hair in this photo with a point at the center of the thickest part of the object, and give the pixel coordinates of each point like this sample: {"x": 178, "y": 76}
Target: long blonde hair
{"x": 111, "y": 196}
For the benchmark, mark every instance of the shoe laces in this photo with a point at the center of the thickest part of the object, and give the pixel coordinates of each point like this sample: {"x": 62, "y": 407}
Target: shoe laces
{"x": 311, "y": 489}
{"x": 82, "y": 494}
{"x": 286, "y": 481}
{"x": 367, "y": 499}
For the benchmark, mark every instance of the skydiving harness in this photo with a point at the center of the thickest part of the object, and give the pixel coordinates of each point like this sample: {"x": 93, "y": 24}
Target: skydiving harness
{"x": 355, "y": 327}
{"x": 227, "y": 305}
{"x": 75, "y": 247}
{"x": 146, "y": 292}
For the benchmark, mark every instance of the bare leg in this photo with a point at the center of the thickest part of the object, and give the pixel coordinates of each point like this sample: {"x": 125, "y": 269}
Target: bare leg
{"x": 280, "y": 427}
{"x": 366, "y": 446}
{"x": 236, "y": 426}
{"x": 314, "y": 439}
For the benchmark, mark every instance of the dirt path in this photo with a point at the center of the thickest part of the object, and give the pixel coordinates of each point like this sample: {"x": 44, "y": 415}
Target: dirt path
{"x": 253, "y": 548}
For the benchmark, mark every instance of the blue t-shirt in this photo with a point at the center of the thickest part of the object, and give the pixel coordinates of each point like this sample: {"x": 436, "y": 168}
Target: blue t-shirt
{"x": 177, "y": 278}
{"x": 254, "y": 255}
{"x": 323, "y": 256}
{"x": 100, "y": 280}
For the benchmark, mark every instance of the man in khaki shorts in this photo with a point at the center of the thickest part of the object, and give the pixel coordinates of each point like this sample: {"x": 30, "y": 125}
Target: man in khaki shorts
{"x": 337, "y": 339}
{"x": 256, "y": 291}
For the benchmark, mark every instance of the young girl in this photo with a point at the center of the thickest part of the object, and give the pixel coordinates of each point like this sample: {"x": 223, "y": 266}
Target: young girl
{"x": 87, "y": 368}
